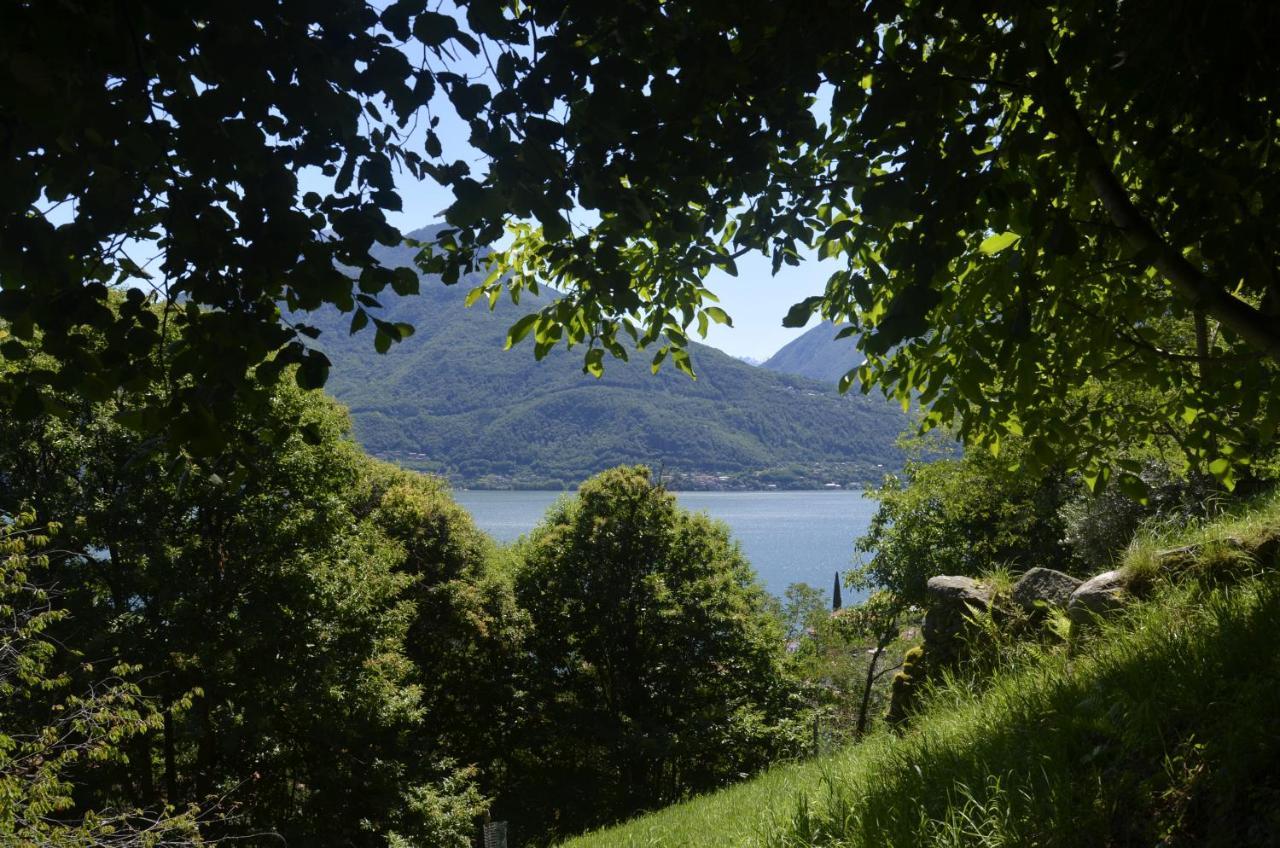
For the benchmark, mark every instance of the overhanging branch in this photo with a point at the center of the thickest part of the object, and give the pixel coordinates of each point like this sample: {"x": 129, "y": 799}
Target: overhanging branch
{"x": 1188, "y": 281}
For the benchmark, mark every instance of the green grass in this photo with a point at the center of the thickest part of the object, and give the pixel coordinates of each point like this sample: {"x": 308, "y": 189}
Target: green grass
{"x": 730, "y": 817}
{"x": 1159, "y": 728}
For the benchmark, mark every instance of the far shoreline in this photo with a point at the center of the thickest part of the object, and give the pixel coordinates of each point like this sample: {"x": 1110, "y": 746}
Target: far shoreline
{"x": 669, "y": 488}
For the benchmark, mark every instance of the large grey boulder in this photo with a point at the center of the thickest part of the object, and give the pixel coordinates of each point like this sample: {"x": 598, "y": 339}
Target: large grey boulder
{"x": 1097, "y": 595}
{"x": 953, "y": 590}
{"x": 1043, "y": 586}
{"x": 950, "y": 602}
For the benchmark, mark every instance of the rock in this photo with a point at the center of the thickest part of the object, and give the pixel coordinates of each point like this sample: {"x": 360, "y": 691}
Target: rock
{"x": 1097, "y": 595}
{"x": 1178, "y": 560}
{"x": 1266, "y": 548}
{"x": 1043, "y": 585}
{"x": 1262, "y": 548}
{"x": 951, "y": 600}
{"x": 951, "y": 590}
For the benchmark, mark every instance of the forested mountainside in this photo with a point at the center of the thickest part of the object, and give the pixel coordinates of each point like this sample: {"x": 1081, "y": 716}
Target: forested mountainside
{"x": 817, "y": 354}
{"x": 450, "y": 400}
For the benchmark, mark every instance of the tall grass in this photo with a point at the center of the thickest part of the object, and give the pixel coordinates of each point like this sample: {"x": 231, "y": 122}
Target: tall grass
{"x": 1162, "y": 729}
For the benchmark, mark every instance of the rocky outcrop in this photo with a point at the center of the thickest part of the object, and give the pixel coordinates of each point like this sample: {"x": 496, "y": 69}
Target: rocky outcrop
{"x": 1041, "y": 587}
{"x": 905, "y": 682}
{"x": 950, "y": 604}
{"x": 1261, "y": 549}
{"x": 1096, "y": 596}
{"x": 952, "y": 601}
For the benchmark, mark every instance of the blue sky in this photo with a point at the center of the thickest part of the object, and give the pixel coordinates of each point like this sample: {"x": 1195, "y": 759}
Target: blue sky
{"x": 755, "y": 299}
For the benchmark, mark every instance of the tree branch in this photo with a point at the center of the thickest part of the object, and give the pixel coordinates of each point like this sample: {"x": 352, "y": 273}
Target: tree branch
{"x": 1188, "y": 281}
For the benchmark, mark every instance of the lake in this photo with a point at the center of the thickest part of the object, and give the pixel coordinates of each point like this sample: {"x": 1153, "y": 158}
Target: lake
{"x": 790, "y": 537}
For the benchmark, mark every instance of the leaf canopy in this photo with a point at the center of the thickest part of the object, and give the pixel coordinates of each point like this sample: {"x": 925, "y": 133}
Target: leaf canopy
{"x": 1033, "y": 204}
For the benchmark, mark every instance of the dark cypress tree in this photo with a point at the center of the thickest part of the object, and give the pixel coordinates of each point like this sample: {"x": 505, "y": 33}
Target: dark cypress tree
{"x": 835, "y": 594}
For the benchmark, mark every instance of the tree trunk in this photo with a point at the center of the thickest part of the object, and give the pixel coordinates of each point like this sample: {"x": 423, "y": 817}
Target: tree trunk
{"x": 170, "y": 757}
{"x": 143, "y": 766}
{"x": 1188, "y": 281}
{"x": 865, "y": 706}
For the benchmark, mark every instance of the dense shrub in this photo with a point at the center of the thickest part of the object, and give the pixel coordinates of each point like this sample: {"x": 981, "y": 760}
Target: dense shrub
{"x": 53, "y": 722}
{"x": 963, "y": 515}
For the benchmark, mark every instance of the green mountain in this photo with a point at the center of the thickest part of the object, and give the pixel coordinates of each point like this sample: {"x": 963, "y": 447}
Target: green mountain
{"x": 817, "y": 354}
{"x": 450, "y": 400}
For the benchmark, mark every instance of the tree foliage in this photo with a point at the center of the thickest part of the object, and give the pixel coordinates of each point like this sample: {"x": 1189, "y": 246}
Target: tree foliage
{"x": 328, "y": 651}
{"x": 657, "y": 661}
{"x": 271, "y": 617}
{"x": 966, "y": 515}
{"x": 467, "y": 635}
{"x": 1023, "y": 197}
{"x": 57, "y": 721}
{"x": 223, "y": 157}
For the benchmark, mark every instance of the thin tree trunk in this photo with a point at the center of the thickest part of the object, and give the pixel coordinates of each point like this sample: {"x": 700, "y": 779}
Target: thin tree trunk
{"x": 1202, "y": 349}
{"x": 205, "y": 757}
{"x": 1204, "y": 369}
{"x": 170, "y": 756}
{"x": 144, "y": 768}
{"x": 865, "y": 706}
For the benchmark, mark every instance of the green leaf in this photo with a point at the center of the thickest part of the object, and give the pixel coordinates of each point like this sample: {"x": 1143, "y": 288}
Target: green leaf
{"x": 997, "y": 243}
{"x": 313, "y": 371}
{"x": 1133, "y": 487}
{"x": 594, "y": 363}
{"x": 520, "y": 329}
{"x": 680, "y": 357}
{"x": 799, "y": 314}
{"x": 359, "y": 321}
{"x": 838, "y": 230}
{"x": 657, "y": 359}
{"x": 718, "y": 315}
{"x": 434, "y": 28}
{"x": 1097, "y": 477}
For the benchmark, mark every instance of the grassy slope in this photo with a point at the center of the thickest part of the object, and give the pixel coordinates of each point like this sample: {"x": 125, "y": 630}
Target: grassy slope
{"x": 1160, "y": 730}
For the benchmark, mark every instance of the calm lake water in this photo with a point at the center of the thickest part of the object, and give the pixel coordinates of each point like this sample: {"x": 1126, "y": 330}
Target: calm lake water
{"x": 790, "y": 537}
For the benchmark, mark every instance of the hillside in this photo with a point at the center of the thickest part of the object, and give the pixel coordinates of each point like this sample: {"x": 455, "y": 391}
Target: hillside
{"x": 1157, "y": 729}
{"x": 450, "y": 400}
{"x": 817, "y": 355}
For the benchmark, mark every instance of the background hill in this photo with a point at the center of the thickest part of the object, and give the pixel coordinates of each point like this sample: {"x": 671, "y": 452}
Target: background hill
{"x": 450, "y": 400}
{"x": 817, "y": 355}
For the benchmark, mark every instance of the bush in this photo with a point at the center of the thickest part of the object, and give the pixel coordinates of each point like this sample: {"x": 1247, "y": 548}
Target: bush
{"x": 1098, "y": 528}
{"x": 50, "y": 736}
{"x": 963, "y": 515}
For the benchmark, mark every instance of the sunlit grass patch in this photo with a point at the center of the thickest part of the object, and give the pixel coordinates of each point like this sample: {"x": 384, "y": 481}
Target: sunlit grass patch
{"x": 1158, "y": 730}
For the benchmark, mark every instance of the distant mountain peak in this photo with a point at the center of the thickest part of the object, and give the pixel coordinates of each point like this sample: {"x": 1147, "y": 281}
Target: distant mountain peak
{"x": 448, "y": 399}
{"x": 818, "y": 355}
